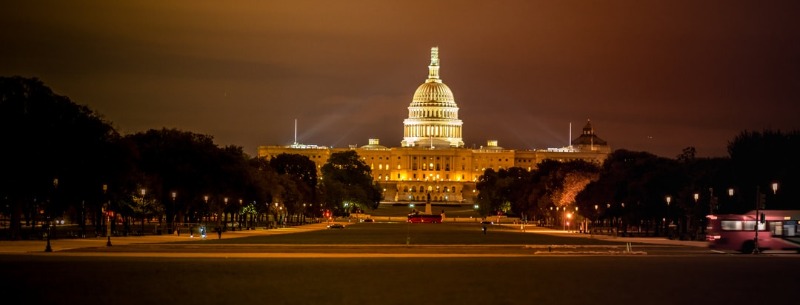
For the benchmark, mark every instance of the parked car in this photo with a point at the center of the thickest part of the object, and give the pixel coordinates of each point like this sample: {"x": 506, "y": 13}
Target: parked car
{"x": 336, "y": 226}
{"x": 369, "y": 220}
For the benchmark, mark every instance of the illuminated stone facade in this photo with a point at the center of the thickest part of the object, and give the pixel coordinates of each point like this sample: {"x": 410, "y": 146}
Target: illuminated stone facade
{"x": 432, "y": 160}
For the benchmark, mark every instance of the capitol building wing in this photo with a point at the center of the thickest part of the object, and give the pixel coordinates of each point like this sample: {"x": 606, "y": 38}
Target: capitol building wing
{"x": 432, "y": 162}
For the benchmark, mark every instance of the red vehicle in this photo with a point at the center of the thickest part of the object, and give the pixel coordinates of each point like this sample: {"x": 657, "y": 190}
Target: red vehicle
{"x": 778, "y": 231}
{"x": 421, "y": 218}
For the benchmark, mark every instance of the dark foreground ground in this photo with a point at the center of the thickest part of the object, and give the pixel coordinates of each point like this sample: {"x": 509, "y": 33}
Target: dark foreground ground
{"x": 518, "y": 280}
{"x": 395, "y": 263}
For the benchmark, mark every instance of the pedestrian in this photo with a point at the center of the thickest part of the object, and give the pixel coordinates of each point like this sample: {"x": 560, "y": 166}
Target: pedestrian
{"x": 484, "y": 229}
{"x": 219, "y": 232}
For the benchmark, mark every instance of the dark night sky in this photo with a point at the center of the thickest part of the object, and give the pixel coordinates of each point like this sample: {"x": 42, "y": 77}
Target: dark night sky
{"x": 651, "y": 75}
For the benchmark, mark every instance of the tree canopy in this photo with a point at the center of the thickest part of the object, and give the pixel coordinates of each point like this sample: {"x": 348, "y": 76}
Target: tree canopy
{"x": 347, "y": 183}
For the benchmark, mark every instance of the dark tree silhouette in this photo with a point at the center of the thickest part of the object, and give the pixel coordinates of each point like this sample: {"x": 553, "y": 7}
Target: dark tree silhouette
{"x": 347, "y": 179}
{"x": 56, "y": 154}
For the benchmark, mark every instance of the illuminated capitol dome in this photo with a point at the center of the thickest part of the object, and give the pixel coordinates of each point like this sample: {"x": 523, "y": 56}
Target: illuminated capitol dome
{"x": 433, "y": 164}
{"x": 433, "y": 115}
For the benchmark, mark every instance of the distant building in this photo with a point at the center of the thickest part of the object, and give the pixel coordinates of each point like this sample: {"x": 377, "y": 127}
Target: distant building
{"x": 432, "y": 159}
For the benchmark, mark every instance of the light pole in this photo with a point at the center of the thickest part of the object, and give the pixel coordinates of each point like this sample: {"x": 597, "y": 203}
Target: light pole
{"x": 172, "y": 219}
{"x": 144, "y": 192}
{"x": 690, "y": 214}
{"x": 108, "y": 215}
{"x": 202, "y": 228}
{"x": 47, "y": 248}
{"x": 666, "y": 217}
{"x": 759, "y": 217}
{"x": 730, "y": 196}
{"x": 219, "y": 228}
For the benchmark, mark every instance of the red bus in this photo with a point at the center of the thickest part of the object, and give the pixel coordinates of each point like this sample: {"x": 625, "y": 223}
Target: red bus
{"x": 737, "y": 232}
{"x": 420, "y": 218}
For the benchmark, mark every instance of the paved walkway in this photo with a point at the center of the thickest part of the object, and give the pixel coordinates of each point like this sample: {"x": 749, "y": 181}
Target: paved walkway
{"x": 646, "y": 240}
{"x": 37, "y": 246}
{"x": 32, "y": 246}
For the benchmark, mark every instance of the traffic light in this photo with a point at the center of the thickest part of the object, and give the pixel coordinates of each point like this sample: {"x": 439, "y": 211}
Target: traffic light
{"x": 762, "y": 218}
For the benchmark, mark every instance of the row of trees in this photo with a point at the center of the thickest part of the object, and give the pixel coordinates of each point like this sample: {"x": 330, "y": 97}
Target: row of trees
{"x": 653, "y": 193}
{"x": 62, "y": 159}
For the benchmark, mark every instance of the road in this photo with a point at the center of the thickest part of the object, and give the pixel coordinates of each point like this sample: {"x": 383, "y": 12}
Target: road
{"x": 372, "y": 264}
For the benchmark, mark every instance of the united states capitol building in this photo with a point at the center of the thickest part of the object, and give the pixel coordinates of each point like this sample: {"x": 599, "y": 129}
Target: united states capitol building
{"x": 432, "y": 160}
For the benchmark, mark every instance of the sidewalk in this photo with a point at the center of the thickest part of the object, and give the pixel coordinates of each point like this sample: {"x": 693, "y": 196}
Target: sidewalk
{"x": 646, "y": 240}
{"x": 35, "y": 246}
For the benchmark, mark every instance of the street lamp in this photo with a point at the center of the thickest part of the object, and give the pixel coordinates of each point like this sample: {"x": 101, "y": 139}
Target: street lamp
{"x": 758, "y": 214}
{"x": 225, "y": 200}
{"x": 205, "y": 199}
{"x": 47, "y": 248}
{"x": 108, "y": 216}
{"x": 172, "y": 220}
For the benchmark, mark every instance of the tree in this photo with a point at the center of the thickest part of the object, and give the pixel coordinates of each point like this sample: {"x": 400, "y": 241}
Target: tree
{"x": 762, "y": 158}
{"x": 52, "y": 146}
{"x": 348, "y": 180}
{"x": 302, "y": 172}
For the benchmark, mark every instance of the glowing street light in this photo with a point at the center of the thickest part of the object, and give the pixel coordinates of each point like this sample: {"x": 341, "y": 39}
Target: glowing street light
{"x": 108, "y": 216}
{"x": 172, "y": 221}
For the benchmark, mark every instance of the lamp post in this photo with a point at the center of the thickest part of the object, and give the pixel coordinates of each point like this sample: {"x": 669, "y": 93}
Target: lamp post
{"x": 202, "y": 228}
{"x": 47, "y": 248}
{"x": 172, "y": 219}
{"x": 205, "y": 199}
{"x": 219, "y": 228}
{"x": 666, "y": 217}
{"x": 108, "y": 215}
{"x": 758, "y": 214}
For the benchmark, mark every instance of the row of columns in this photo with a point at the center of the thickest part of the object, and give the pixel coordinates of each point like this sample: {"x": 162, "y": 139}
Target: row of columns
{"x": 435, "y": 131}
{"x": 432, "y": 113}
